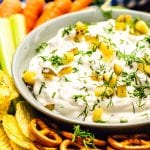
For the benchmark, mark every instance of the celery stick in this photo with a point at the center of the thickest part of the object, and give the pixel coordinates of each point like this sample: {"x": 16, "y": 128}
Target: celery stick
{"x": 6, "y": 45}
{"x": 18, "y": 27}
{"x": 106, "y": 9}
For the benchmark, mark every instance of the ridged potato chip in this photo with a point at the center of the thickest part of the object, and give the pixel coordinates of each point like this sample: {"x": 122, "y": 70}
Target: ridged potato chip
{"x": 24, "y": 114}
{"x": 4, "y": 140}
{"x": 14, "y": 132}
{"x": 5, "y": 79}
{"x": 8, "y": 92}
{"x": 16, "y": 146}
{"x": 4, "y": 100}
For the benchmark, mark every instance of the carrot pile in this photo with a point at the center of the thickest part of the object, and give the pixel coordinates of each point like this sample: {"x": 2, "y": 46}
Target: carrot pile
{"x": 80, "y": 4}
{"x": 37, "y": 12}
{"x": 54, "y": 9}
{"x": 32, "y": 11}
{"x": 9, "y": 7}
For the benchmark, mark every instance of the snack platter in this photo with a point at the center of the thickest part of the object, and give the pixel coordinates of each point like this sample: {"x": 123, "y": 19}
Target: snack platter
{"x": 57, "y": 56}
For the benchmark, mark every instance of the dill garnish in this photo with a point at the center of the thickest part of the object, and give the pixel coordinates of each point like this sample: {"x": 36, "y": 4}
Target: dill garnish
{"x": 56, "y": 60}
{"x": 67, "y": 31}
{"x": 53, "y": 95}
{"x": 41, "y": 47}
{"x": 139, "y": 91}
{"x": 42, "y": 86}
{"x": 81, "y": 97}
{"x": 128, "y": 58}
{"x": 110, "y": 103}
{"x": 128, "y": 78}
{"x": 87, "y": 136}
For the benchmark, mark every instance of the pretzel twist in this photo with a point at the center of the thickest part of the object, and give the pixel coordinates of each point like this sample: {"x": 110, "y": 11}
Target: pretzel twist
{"x": 96, "y": 142}
{"x": 66, "y": 144}
{"x": 109, "y": 148}
{"x": 38, "y": 146}
{"x": 135, "y": 142}
{"x": 43, "y": 134}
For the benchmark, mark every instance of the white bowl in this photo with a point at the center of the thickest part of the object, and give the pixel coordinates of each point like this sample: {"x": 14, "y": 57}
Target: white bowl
{"x": 26, "y": 51}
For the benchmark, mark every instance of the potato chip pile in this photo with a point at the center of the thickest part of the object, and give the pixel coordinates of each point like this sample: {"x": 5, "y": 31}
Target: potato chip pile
{"x": 8, "y": 92}
{"x": 14, "y": 128}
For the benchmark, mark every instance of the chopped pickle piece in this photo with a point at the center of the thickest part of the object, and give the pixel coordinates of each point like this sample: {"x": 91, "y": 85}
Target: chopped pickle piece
{"x": 92, "y": 39}
{"x": 110, "y": 79}
{"x": 141, "y": 67}
{"x": 75, "y": 51}
{"x": 50, "y": 106}
{"x": 68, "y": 57}
{"x": 48, "y": 73}
{"x": 118, "y": 69}
{"x": 121, "y": 26}
{"x": 65, "y": 70}
{"x": 122, "y": 21}
{"x": 107, "y": 51}
{"x": 144, "y": 68}
{"x": 29, "y": 77}
{"x": 121, "y": 91}
{"x": 96, "y": 77}
{"x": 124, "y": 18}
{"x": 147, "y": 69}
{"x": 141, "y": 27}
{"x": 103, "y": 91}
{"x": 81, "y": 28}
{"x": 97, "y": 114}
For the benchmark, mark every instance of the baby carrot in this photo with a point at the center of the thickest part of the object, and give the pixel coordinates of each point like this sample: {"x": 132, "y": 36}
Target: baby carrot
{"x": 56, "y": 8}
{"x": 9, "y": 7}
{"x": 49, "y": 6}
{"x": 32, "y": 11}
{"x": 45, "y": 15}
{"x": 63, "y": 5}
{"x": 80, "y": 4}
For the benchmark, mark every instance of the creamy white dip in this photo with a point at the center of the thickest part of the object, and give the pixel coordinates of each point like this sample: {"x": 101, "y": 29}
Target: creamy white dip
{"x": 73, "y": 94}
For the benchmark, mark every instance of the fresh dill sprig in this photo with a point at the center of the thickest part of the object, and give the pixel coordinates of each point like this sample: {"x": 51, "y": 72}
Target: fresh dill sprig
{"x": 128, "y": 78}
{"x": 109, "y": 29}
{"x": 81, "y": 97}
{"x": 89, "y": 52}
{"x": 147, "y": 39}
{"x": 128, "y": 58}
{"x": 41, "y": 47}
{"x": 146, "y": 59}
{"x": 85, "y": 111}
{"x": 44, "y": 58}
{"x": 56, "y": 60}
{"x": 139, "y": 91}
{"x": 102, "y": 67}
{"x": 110, "y": 103}
{"x": 67, "y": 31}
{"x": 97, "y": 101}
{"x": 75, "y": 70}
{"x": 87, "y": 136}
{"x": 41, "y": 87}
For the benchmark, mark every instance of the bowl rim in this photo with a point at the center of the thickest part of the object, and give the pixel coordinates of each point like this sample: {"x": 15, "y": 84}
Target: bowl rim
{"x": 45, "y": 111}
